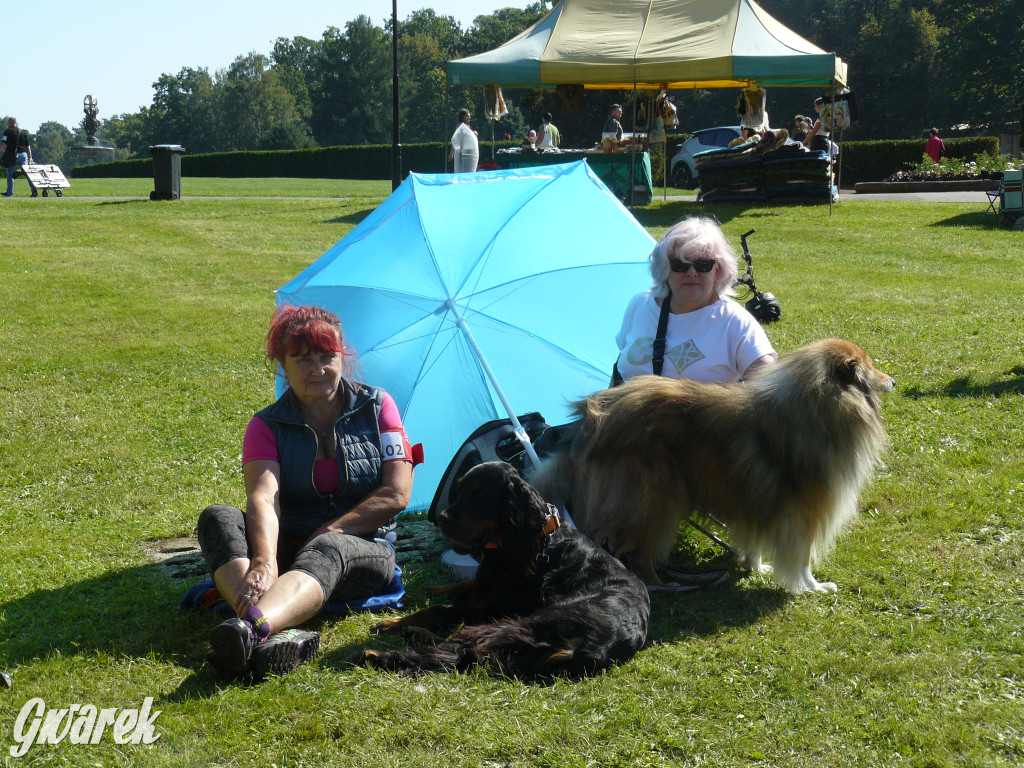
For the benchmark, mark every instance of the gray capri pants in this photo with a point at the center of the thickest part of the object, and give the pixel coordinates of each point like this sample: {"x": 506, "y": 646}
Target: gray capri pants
{"x": 346, "y": 567}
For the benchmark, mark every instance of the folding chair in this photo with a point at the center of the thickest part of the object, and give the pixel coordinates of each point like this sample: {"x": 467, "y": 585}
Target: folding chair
{"x": 993, "y": 198}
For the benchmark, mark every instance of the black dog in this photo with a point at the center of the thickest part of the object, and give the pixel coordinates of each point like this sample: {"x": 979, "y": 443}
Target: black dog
{"x": 545, "y": 601}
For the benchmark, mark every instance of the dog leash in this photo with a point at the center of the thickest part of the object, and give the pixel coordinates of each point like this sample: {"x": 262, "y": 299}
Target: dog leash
{"x": 707, "y": 580}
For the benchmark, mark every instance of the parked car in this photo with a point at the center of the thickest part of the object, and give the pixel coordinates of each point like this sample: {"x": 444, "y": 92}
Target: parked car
{"x": 683, "y": 168}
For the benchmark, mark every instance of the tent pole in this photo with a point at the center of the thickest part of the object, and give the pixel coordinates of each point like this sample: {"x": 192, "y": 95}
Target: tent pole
{"x": 520, "y": 432}
{"x": 831, "y": 133}
{"x": 631, "y": 157}
{"x": 839, "y": 178}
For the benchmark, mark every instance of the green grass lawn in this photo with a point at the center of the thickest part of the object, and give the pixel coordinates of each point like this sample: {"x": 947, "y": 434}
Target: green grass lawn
{"x": 214, "y": 187}
{"x": 132, "y": 361}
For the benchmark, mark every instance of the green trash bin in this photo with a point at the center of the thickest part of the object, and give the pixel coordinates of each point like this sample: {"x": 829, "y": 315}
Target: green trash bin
{"x": 166, "y": 171}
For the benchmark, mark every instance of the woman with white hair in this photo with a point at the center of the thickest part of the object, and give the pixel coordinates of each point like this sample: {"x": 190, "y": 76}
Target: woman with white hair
{"x": 707, "y": 336}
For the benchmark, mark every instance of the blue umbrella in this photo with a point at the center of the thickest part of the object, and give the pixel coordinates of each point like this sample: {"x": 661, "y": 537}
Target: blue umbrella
{"x": 470, "y": 297}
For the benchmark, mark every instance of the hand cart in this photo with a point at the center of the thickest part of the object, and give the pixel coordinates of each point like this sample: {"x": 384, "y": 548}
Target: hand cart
{"x": 45, "y": 178}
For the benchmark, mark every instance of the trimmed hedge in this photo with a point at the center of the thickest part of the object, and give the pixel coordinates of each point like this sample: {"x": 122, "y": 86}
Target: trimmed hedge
{"x": 877, "y": 160}
{"x": 862, "y": 160}
{"x": 370, "y": 161}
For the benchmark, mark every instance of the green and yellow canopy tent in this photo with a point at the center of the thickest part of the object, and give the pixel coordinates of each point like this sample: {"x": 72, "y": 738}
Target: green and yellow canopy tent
{"x": 653, "y": 44}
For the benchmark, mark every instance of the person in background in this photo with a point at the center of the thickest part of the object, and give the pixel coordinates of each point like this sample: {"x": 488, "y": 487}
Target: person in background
{"x": 465, "y": 145}
{"x": 799, "y": 128}
{"x": 817, "y": 137}
{"x": 611, "y": 134}
{"x": 25, "y": 152}
{"x": 709, "y": 337}
{"x": 935, "y": 148}
{"x": 15, "y": 152}
{"x": 327, "y": 469}
{"x": 548, "y": 137}
{"x": 753, "y": 112}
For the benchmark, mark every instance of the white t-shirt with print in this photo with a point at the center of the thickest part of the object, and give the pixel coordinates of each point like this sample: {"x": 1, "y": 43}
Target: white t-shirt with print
{"x": 716, "y": 343}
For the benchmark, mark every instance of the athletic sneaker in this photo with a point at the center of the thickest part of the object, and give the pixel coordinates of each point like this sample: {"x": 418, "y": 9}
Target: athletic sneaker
{"x": 232, "y": 643}
{"x": 283, "y": 652}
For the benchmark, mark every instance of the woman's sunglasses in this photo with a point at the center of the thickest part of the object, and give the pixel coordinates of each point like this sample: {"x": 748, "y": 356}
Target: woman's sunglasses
{"x": 701, "y": 265}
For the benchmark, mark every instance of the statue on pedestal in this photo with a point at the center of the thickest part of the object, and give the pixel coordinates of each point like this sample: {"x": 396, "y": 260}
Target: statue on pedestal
{"x": 90, "y": 124}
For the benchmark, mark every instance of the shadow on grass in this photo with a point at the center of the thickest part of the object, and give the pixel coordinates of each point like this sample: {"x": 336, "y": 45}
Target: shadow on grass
{"x": 126, "y": 613}
{"x": 963, "y": 386}
{"x": 974, "y": 220}
{"x": 669, "y": 213}
{"x": 356, "y": 217}
{"x": 133, "y": 201}
{"x": 703, "y": 612}
{"x": 134, "y": 613}
{"x": 709, "y": 610}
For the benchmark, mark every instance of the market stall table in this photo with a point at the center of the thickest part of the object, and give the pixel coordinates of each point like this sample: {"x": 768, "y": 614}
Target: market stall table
{"x": 612, "y": 169}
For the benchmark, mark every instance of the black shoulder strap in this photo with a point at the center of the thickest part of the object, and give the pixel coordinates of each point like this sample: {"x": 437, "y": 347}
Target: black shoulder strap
{"x": 658, "y": 360}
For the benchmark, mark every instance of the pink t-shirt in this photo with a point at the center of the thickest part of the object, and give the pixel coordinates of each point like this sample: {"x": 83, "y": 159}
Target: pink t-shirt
{"x": 259, "y": 444}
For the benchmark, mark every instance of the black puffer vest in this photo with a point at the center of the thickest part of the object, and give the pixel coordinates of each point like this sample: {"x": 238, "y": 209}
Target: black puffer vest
{"x": 357, "y": 444}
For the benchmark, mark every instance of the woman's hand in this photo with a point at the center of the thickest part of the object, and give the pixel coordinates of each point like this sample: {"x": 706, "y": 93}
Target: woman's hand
{"x": 377, "y": 507}
{"x": 255, "y": 583}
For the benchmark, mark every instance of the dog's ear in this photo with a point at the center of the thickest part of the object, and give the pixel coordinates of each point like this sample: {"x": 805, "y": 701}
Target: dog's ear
{"x": 526, "y": 510}
{"x": 848, "y": 370}
{"x": 852, "y": 373}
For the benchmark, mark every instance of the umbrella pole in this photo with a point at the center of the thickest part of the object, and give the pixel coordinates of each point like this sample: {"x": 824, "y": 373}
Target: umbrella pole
{"x": 520, "y": 432}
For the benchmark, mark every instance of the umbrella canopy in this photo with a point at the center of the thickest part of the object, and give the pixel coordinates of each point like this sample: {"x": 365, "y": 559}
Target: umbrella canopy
{"x": 462, "y": 291}
{"x": 653, "y": 44}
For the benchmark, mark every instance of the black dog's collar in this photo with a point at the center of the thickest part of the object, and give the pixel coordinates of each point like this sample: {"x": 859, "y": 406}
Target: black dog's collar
{"x": 550, "y": 526}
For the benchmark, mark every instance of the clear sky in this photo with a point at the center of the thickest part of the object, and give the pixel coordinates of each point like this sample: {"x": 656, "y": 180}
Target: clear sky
{"x": 60, "y": 50}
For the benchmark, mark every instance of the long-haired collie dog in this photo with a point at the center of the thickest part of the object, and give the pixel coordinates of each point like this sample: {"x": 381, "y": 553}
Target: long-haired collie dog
{"x": 546, "y": 600}
{"x": 778, "y": 460}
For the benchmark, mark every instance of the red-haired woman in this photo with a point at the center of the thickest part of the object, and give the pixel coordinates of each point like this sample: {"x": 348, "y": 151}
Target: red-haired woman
{"x": 327, "y": 469}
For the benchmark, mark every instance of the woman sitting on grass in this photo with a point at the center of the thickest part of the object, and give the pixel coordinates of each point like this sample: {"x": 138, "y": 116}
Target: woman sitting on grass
{"x": 327, "y": 469}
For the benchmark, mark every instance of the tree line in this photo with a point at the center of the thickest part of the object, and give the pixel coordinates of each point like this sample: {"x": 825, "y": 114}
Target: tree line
{"x": 953, "y": 64}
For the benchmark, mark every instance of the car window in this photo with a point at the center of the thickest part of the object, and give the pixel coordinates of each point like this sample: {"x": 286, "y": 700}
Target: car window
{"x": 723, "y": 136}
{"x": 707, "y": 138}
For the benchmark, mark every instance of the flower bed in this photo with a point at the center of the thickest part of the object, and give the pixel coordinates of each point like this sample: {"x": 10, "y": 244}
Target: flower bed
{"x": 984, "y": 166}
